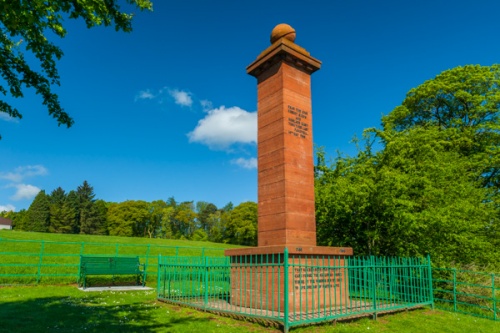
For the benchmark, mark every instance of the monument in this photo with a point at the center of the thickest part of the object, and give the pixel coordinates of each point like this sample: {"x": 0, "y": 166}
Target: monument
{"x": 286, "y": 210}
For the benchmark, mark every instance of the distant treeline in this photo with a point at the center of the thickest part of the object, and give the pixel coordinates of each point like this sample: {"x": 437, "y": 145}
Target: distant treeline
{"x": 78, "y": 212}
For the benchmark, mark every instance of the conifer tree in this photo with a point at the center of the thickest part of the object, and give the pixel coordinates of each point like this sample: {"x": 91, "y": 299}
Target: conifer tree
{"x": 38, "y": 215}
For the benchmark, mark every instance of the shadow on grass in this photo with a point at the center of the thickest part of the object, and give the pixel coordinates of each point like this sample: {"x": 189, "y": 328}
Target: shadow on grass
{"x": 89, "y": 314}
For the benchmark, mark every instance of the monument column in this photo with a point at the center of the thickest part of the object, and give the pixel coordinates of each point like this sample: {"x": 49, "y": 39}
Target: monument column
{"x": 286, "y": 212}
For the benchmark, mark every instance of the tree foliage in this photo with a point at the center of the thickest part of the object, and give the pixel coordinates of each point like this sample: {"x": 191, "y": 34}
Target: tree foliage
{"x": 241, "y": 224}
{"x": 61, "y": 214}
{"x": 25, "y": 27}
{"x": 79, "y": 212}
{"x": 38, "y": 215}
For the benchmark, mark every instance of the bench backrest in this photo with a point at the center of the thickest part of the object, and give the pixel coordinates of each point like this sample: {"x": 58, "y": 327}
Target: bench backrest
{"x": 111, "y": 265}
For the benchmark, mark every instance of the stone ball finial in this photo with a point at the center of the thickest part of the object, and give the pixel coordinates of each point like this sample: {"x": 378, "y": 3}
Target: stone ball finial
{"x": 283, "y": 30}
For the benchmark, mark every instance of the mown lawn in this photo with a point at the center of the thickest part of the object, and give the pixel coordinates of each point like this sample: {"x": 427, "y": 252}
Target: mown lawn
{"x": 67, "y": 309}
{"x": 20, "y": 252}
{"x": 22, "y": 235}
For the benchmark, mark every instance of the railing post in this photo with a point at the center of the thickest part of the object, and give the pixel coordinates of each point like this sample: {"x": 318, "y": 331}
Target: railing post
{"x": 147, "y": 263}
{"x": 82, "y": 247}
{"x": 374, "y": 289}
{"x": 205, "y": 281}
{"x": 454, "y": 289}
{"x": 286, "y": 291}
{"x": 493, "y": 298}
{"x": 38, "y": 275}
{"x": 158, "y": 278}
{"x": 431, "y": 289}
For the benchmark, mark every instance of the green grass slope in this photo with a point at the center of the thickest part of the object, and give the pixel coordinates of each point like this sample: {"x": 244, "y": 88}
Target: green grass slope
{"x": 31, "y": 257}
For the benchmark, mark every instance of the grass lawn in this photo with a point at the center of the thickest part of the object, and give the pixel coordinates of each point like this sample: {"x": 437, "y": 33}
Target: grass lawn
{"x": 21, "y": 252}
{"x": 64, "y": 308}
{"x": 23, "y": 235}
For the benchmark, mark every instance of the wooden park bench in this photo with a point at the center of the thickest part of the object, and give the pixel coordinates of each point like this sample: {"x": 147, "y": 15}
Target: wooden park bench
{"x": 90, "y": 265}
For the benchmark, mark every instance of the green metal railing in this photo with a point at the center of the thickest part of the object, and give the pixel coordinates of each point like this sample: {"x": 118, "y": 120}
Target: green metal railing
{"x": 378, "y": 282}
{"x": 291, "y": 290}
{"x": 468, "y": 292}
{"x": 32, "y": 262}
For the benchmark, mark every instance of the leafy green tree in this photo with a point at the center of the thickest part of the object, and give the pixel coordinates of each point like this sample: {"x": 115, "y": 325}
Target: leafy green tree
{"x": 27, "y": 26}
{"x": 159, "y": 220}
{"x": 410, "y": 199}
{"x": 204, "y": 210}
{"x": 184, "y": 220}
{"x": 432, "y": 187}
{"x": 465, "y": 103}
{"x": 128, "y": 218}
{"x": 217, "y": 226}
{"x": 18, "y": 218}
{"x": 199, "y": 236}
{"x": 241, "y": 224}
{"x": 38, "y": 214}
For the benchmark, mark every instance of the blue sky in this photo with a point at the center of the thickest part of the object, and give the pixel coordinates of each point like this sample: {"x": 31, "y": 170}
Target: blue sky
{"x": 168, "y": 110}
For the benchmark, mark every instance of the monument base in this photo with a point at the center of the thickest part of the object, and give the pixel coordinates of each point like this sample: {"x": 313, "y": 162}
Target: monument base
{"x": 303, "y": 278}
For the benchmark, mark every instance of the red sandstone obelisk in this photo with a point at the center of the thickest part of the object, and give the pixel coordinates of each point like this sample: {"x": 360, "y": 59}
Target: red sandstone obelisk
{"x": 285, "y": 148}
{"x": 286, "y": 210}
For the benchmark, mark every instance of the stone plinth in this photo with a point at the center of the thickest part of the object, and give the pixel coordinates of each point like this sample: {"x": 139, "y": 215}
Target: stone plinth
{"x": 316, "y": 278}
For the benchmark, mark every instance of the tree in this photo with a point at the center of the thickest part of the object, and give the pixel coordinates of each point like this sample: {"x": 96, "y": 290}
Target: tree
{"x": 241, "y": 225}
{"x": 412, "y": 198}
{"x": 61, "y": 214}
{"x": 127, "y": 218}
{"x": 25, "y": 27}
{"x": 38, "y": 214}
{"x": 90, "y": 219}
{"x": 159, "y": 221}
{"x": 465, "y": 103}
{"x": 183, "y": 220}
{"x": 73, "y": 217}
{"x": 18, "y": 218}
{"x": 204, "y": 210}
{"x": 96, "y": 222}
{"x": 432, "y": 187}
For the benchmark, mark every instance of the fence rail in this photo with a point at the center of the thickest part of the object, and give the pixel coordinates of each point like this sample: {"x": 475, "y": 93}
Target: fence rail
{"x": 30, "y": 261}
{"x": 292, "y": 291}
{"x": 45, "y": 262}
{"x": 468, "y": 292}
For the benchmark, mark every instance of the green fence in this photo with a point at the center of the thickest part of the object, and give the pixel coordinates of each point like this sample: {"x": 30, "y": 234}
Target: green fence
{"x": 30, "y": 262}
{"x": 468, "y": 292}
{"x": 296, "y": 290}
{"x": 383, "y": 280}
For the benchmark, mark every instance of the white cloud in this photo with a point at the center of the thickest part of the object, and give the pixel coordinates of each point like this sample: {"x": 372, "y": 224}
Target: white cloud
{"x": 182, "y": 98}
{"x": 4, "y": 116}
{"x": 223, "y": 127}
{"x": 7, "y": 208}
{"x": 24, "y": 191}
{"x": 144, "y": 94}
{"x": 246, "y": 163}
{"x": 206, "y": 105}
{"x": 23, "y": 172}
